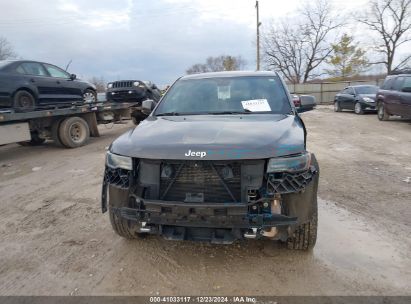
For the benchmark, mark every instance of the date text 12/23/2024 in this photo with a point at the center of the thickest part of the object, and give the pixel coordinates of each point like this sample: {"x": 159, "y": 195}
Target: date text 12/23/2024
{"x": 202, "y": 299}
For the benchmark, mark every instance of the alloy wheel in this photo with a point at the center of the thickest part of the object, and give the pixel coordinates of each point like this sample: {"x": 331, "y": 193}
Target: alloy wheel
{"x": 89, "y": 97}
{"x": 357, "y": 108}
{"x": 381, "y": 112}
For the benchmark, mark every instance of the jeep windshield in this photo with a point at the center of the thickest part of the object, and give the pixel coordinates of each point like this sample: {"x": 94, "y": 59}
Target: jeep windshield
{"x": 225, "y": 95}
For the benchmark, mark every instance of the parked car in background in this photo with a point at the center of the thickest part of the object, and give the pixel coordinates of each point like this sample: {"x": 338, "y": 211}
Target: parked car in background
{"x": 25, "y": 85}
{"x": 359, "y": 98}
{"x": 394, "y": 97}
{"x": 304, "y": 102}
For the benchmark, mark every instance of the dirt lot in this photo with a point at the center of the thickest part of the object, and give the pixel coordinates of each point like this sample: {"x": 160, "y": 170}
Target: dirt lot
{"x": 55, "y": 241}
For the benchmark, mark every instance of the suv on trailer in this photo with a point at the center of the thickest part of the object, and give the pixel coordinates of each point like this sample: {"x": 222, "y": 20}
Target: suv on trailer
{"x": 221, "y": 157}
{"x": 394, "y": 96}
{"x": 132, "y": 91}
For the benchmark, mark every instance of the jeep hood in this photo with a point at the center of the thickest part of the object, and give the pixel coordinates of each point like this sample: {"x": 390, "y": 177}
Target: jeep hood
{"x": 213, "y": 137}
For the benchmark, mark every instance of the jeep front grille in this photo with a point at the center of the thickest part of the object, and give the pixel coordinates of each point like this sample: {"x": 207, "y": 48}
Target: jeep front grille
{"x": 122, "y": 84}
{"x": 201, "y": 181}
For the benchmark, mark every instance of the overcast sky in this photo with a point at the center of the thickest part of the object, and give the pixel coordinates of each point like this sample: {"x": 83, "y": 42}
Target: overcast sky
{"x": 136, "y": 39}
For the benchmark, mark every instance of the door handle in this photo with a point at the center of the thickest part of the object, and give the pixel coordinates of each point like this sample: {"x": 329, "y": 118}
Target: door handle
{"x": 58, "y": 81}
{"x": 32, "y": 80}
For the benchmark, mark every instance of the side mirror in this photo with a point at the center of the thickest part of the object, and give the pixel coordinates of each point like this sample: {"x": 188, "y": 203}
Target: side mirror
{"x": 406, "y": 89}
{"x": 73, "y": 76}
{"x": 147, "y": 106}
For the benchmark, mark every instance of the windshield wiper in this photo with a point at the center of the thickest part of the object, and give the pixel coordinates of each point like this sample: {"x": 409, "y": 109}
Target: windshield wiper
{"x": 246, "y": 111}
{"x": 168, "y": 114}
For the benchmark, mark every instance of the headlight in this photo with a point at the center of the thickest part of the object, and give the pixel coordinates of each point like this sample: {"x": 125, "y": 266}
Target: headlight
{"x": 368, "y": 99}
{"x": 290, "y": 163}
{"x": 118, "y": 161}
{"x": 109, "y": 85}
{"x": 136, "y": 83}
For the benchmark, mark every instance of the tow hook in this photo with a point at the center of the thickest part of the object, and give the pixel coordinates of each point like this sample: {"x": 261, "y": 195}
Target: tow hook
{"x": 251, "y": 234}
{"x": 144, "y": 228}
{"x": 275, "y": 209}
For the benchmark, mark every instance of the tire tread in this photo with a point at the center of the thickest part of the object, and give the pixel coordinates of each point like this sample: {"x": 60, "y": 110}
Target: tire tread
{"x": 121, "y": 226}
{"x": 305, "y": 235}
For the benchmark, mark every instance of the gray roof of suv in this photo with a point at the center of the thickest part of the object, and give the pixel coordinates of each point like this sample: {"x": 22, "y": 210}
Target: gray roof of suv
{"x": 229, "y": 74}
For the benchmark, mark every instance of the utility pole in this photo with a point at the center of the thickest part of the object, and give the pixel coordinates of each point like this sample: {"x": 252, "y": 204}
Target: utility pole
{"x": 258, "y": 36}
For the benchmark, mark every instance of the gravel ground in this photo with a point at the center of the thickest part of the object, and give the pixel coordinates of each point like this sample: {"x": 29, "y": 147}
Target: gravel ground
{"x": 55, "y": 241}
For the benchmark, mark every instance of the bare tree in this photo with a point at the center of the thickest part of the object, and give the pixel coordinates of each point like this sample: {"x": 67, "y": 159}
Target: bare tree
{"x": 197, "y": 68}
{"x": 299, "y": 45}
{"x": 283, "y": 51}
{"x": 6, "y": 49}
{"x": 219, "y": 63}
{"x": 100, "y": 84}
{"x": 391, "y": 19}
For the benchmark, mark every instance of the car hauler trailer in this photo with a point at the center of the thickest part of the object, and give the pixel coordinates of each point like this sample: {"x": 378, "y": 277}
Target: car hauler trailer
{"x": 70, "y": 127}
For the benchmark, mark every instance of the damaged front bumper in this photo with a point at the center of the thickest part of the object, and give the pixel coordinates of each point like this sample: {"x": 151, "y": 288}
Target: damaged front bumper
{"x": 185, "y": 220}
{"x": 217, "y": 222}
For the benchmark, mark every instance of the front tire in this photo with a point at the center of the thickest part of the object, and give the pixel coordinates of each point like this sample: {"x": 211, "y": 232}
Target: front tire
{"x": 337, "y": 106}
{"x": 121, "y": 226}
{"x": 358, "y": 109}
{"x": 382, "y": 112}
{"x": 305, "y": 236}
{"x": 23, "y": 100}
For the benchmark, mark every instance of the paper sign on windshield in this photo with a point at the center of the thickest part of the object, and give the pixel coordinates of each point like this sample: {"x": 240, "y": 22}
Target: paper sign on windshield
{"x": 256, "y": 105}
{"x": 224, "y": 92}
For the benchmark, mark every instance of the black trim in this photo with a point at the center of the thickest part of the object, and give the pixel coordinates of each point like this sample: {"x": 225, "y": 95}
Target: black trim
{"x": 104, "y": 195}
{"x": 213, "y": 215}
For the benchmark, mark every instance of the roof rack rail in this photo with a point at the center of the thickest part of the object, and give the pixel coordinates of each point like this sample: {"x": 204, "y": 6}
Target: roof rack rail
{"x": 401, "y": 71}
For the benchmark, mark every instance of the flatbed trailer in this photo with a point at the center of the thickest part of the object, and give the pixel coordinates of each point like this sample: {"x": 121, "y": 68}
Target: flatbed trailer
{"x": 68, "y": 126}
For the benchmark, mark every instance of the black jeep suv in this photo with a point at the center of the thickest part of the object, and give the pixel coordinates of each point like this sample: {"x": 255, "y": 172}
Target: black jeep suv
{"x": 135, "y": 91}
{"x": 132, "y": 91}
{"x": 221, "y": 157}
